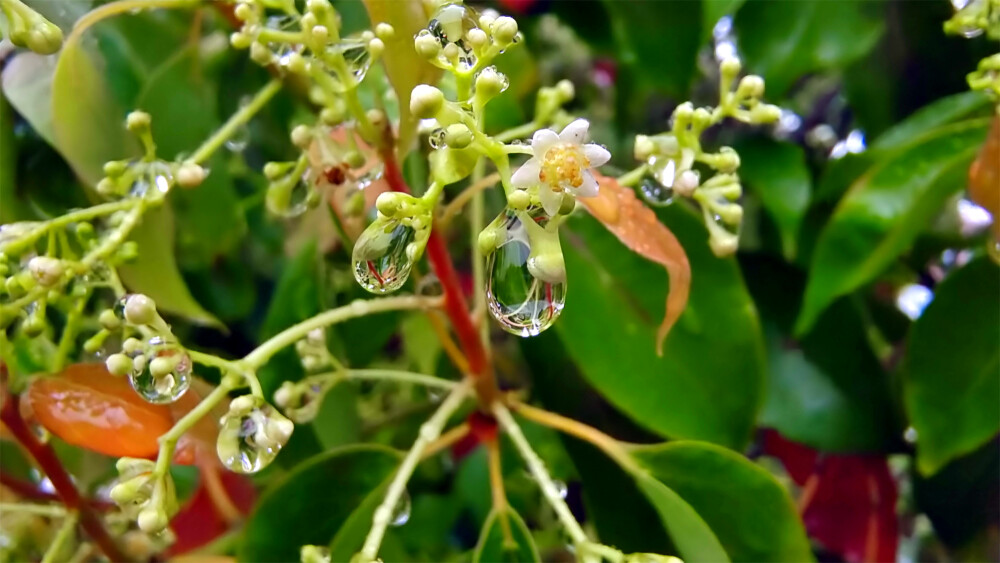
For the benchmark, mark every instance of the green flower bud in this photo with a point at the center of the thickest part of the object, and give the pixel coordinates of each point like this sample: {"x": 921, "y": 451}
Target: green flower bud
{"x": 260, "y": 54}
{"x": 240, "y": 40}
{"x": 115, "y": 168}
{"x": 109, "y": 320}
{"x": 376, "y": 47}
{"x": 190, "y": 175}
{"x": 487, "y": 242}
{"x": 152, "y": 520}
{"x": 128, "y": 251}
{"x": 426, "y": 101}
{"x": 385, "y": 31}
{"x": 302, "y": 136}
{"x": 730, "y": 67}
{"x": 140, "y": 310}
{"x": 426, "y": 45}
{"x": 519, "y": 200}
{"x": 490, "y": 83}
{"x": 118, "y": 364}
{"x": 751, "y": 86}
{"x": 46, "y": 270}
{"x": 138, "y": 121}
{"x": 161, "y": 366}
{"x": 504, "y": 30}
{"x": 458, "y": 136}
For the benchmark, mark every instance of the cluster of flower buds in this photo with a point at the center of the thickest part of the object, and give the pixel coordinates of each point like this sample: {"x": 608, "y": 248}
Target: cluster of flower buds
{"x": 673, "y": 158}
{"x": 300, "y": 400}
{"x": 157, "y": 367}
{"x": 461, "y": 41}
{"x": 144, "y": 494}
{"x": 308, "y": 43}
{"x": 974, "y": 18}
{"x": 986, "y": 77}
{"x": 27, "y": 28}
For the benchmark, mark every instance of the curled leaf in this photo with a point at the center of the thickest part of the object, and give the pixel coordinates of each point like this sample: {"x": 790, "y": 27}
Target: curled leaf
{"x": 638, "y": 228}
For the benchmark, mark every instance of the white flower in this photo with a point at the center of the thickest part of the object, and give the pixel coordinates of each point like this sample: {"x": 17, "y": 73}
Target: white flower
{"x": 561, "y": 162}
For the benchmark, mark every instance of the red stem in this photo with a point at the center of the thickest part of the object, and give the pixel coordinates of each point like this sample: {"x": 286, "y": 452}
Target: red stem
{"x": 28, "y": 490}
{"x": 454, "y": 301}
{"x": 46, "y": 458}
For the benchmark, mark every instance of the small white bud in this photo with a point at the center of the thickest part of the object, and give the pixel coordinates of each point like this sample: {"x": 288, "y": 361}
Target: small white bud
{"x": 297, "y": 63}
{"x": 376, "y": 47}
{"x": 426, "y": 101}
{"x": 731, "y": 66}
{"x": 152, "y": 520}
{"x": 427, "y": 46}
{"x": 320, "y": 33}
{"x": 724, "y": 245}
{"x": 477, "y": 38}
{"x": 490, "y": 83}
{"x": 385, "y": 31}
{"x": 140, "y": 310}
{"x": 301, "y": 136}
{"x": 458, "y": 136}
{"x": 687, "y": 182}
{"x": 751, "y": 86}
{"x": 137, "y": 120}
{"x": 519, "y": 200}
{"x": 504, "y": 30}
{"x": 242, "y": 404}
{"x": 118, "y": 364}
{"x": 283, "y": 396}
{"x": 260, "y": 54}
{"x": 46, "y": 270}
{"x": 566, "y": 90}
{"x": 240, "y": 40}
{"x": 190, "y": 175}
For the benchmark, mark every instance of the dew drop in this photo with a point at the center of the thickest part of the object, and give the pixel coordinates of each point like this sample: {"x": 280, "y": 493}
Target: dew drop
{"x": 451, "y": 25}
{"x": 290, "y": 197}
{"x": 357, "y": 58}
{"x": 523, "y": 304}
{"x": 401, "y": 512}
{"x": 238, "y": 141}
{"x": 153, "y": 181}
{"x": 162, "y": 373}
{"x": 282, "y": 51}
{"x": 251, "y": 434}
{"x": 436, "y": 138}
{"x": 381, "y": 264}
{"x": 14, "y": 231}
{"x": 655, "y": 193}
{"x": 561, "y": 489}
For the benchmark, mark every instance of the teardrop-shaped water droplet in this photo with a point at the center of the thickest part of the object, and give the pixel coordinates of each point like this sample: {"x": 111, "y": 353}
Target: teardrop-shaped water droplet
{"x": 655, "y": 193}
{"x": 238, "y": 141}
{"x": 664, "y": 170}
{"x": 251, "y": 434}
{"x": 381, "y": 264}
{"x": 288, "y": 198}
{"x": 401, "y": 512}
{"x": 153, "y": 180}
{"x": 561, "y": 489}
{"x": 161, "y": 373}
{"x": 283, "y": 51}
{"x": 358, "y": 61}
{"x": 523, "y": 304}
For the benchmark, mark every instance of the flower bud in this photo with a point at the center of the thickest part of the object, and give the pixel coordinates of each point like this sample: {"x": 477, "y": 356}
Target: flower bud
{"x": 115, "y": 168}
{"x": 487, "y": 241}
{"x": 47, "y": 271}
{"x": 152, "y": 520}
{"x": 384, "y": 31}
{"x": 137, "y": 121}
{"x": 490, "y": 83}
{"x": 190, "y": 175}
{"x": 723, "y": 245}
{"x": 565, "y": 90}
{"x": 243, "y": 12}
{"x": 728, "y": 160}
{"x": 240, "y": 40}
{"x": 388, "y": 203}
{"x": 301, "y": 136}
{"x": 477, "y": 38}
{"x": 686, "y": 183}
{"x": 272, "y": 170}
{"x": 319, "y": 33}
{"x": 140, "y": 310}
{"x": 751, "y": 86}
{"x": 731, "y": 213}
{"x": 644, "y": 147}
{"x": 260, "y": 54}
{"x": 730, "y": 66}
{"x": 519, "y": 200}
{"x": 107, "y": 187}
{"x": 426, "y": 101}
{"x": 376, "y": 47}
{"x": 458, "y": 136}
{"x": 427, "y": 46}
{"x": 504, "y": 30}
{"x": 297, "y": 64}
{"x": 119, "y": 364}
{"x": 765, "y": 113}
{"x": 109, "y": 320}
{"x": 284, "y": 395}
{"x": 161, "y": 366}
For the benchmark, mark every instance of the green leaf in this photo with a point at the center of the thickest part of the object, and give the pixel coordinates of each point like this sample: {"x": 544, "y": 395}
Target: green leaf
{"x": 27, "y": 84}
{"x": 493, "y": 547}
{"x": 692, "y": 536}
{"x": 181, "y": 100}
{"x": 930, "y": 117}
{"x": 783, "y": 41}
{"x": 155, "y": 271}
{"x": 952, "y": 367}
{"x": 747, "y": 509}
{"x": 404, "y": 67}
{"x": 644, "y": 31}
{"x": 88, "y": 126}
{"x": 351, "y": 535}
{"x": 777, "y": 174}
{"x": 609, "y": 328}
{"x": 883, "y": 213}
{"x": 312, "y": 502}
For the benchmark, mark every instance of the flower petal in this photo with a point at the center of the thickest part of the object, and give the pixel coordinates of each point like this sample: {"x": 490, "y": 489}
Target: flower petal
{"x": 551, "y": 200}
{"x": 589, "y": 186}
{"x": 527, "y": 175}
{"x": 596, "y": 154}
{"x": 575, "y": 132}
{"x": 542, "y": 141}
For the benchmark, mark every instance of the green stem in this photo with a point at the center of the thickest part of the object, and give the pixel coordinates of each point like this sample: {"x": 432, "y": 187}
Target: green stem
{"x": 47, "y": 510}
{"x": 537, "y": 468}
{"x": 358, "y": 308}
{"x": 121, "y": 7}
{"x": 235, "y": 121}
{"x": 65, "y": 531}
{"x": 633, "y": 177}
{"x": 15, "y": 247}
{"x": 477, "y": 221}
{"x": 168, "y": 441}
{"x": 400, "y": 376}
{"x": 68, "y": 337}
{"x": 429, "y": 432}
{"x": 519, "y": 132}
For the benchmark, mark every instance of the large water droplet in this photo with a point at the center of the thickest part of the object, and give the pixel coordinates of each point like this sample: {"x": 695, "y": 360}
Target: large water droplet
{"x": 451, "y": 25}
{"x": 523, "y": 304}
{"x": 357, "y": 59}
{"x": 381, "y": 264}
{"x": 161, "y": 372}
{"x": 290, "y": 197}
{"x": 664, "y": 170}
{"x": 283, "y": 51}
{"x": 655, "y": 193}
{"x": 251, "y": 434}
{"x": 153, "y": 181}
{"x": 401, "y": 512}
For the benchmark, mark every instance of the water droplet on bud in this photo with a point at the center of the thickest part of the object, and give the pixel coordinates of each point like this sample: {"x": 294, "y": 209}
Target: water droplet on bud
{"x": 655, "y": 193}
{"x": 357, "y": 58}
{"x": 153, "y": 180}
{"x": 161, "y": 373}
{"x": 251, "y": 434}
{"x": 522, "y": 303}
{"x": 401, "y": 512}
{"x": 289, "y": 198}
{"x": 381, "y": 264}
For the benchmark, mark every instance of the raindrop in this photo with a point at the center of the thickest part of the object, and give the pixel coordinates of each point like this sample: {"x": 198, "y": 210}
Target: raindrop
{"x": 561, "y": 489}
{"x": 251, "y": 434}
{"x": 153, "y": 181}
{"x": 161, "y": 373}
{"x": 664, "y": 171}
{"x": 289, "y": 197}
{"x": 522, "y": 303}
{"x": 238, "y": 141}
{"x": 401, "y": 512}
{"x": 910, "y": 435}
{"x": 451, "y": 25}
{"x": 912, "y": 299}
{"x": 381, "y": 263}
{"x": 436, "y": 138}
{"x": 357, "y": 58}
{"x": 655, "y": 193}
{"x": 282, "y": 51}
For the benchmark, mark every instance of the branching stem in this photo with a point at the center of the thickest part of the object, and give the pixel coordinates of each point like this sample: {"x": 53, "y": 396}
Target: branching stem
{"x": 235, "y": 121}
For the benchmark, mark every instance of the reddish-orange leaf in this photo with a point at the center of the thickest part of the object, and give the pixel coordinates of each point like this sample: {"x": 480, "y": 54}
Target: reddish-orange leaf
{"x": 88, "y": 407}
{"x": 638, "y": 228}
{"x": 984, "y": 176}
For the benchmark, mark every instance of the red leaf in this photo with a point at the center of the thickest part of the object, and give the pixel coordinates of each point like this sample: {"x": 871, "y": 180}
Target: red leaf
{"x": 204, "y": 518}
{"x": 848, "y": 502}
{"x": 638, "y": 228}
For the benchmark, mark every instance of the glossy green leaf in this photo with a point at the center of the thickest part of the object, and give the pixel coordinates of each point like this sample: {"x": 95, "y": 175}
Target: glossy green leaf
{"x": 952, "y": 367}
{"x": 11, "y": 207}
{"x": 930, "y": 117}
{"x": 883, "y": 213}
{"x": 310, "y": 504}
{"x": 404, "y": 68}
{"x": 694, "y": 539}
{"x": 351, "y": 535}
{"x": 88, "y": 126}
{"x": 746, "y": 508}
{"x": 614, "y": 306}
{"x": 777, "y": 174}
{"x": 644, "y": 31}
{"x": 493, "y": 547}
{"x": 154, "y": 272}
{"x": 783, "y": 41}
{"x": 27, "y": 84}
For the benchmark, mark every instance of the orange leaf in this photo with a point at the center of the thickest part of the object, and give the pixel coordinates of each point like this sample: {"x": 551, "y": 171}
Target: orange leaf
{"x": 88, "y": 407}
{"x": 984, "y": 176}
{"x": 638, "y": 228}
